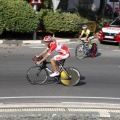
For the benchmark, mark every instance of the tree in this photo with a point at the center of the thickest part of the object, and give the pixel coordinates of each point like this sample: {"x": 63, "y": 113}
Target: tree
{"x": 1, "y": 22}
{"x": 19, "y": 16}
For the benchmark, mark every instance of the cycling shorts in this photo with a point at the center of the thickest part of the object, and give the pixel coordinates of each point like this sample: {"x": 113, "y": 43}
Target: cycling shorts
{"x": 61, "y": 57}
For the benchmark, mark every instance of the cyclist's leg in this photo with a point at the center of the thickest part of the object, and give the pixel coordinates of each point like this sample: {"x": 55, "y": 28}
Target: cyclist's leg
{"x": 61, "y": 57}
{"x": 89, "y": 41}
{"x": 54, "y": 64}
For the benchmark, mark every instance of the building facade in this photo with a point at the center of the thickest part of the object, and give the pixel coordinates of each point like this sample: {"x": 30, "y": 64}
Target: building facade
{"x": 88, "y": 4}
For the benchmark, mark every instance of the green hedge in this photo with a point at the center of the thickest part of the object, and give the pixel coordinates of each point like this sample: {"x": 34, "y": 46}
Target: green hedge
{"x": 60, "y": 22}
{"x": 1, "y": 23}
{"x": 18, "y": 16}
{"x": 1, "y": 17}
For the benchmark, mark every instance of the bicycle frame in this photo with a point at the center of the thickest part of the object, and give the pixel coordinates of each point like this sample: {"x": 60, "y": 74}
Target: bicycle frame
{"x": 69, "y": 76}
{"x": 61, "y": 68}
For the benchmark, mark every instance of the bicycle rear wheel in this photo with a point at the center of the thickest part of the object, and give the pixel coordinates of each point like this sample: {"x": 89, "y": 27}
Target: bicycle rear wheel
{"x": 94, "y": 50}
{"x": 80, "y": 51}
{"x": 72, "y": 79}
{"x": 37, "y": 75}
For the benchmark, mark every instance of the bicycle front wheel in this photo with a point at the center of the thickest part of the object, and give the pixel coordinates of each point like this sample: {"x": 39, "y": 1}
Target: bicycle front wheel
{"x": 80, "y": 51}
{"x": 37, "y": 75}
{"x": 70, "y": 77}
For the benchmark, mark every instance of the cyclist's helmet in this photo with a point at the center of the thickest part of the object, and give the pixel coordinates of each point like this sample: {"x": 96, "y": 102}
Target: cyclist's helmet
{"x": 84, "y": 26}
{"x": 47, "y": 38}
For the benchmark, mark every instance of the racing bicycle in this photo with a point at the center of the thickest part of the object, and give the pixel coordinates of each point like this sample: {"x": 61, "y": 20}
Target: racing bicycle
{"x": 83, "y": 50}
{"x": 69, "y": 76}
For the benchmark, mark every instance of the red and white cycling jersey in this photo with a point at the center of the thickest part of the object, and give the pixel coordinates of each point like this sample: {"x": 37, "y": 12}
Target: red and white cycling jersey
{"x": 60, "y": 48}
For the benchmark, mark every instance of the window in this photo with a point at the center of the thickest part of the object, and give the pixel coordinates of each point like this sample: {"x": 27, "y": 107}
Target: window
{"x": 115, "y": 23}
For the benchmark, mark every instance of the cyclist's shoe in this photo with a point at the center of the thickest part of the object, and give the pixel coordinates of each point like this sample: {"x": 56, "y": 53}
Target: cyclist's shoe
{"x": 87, "y": 55}
{"x": 90, "y": 46}
{"x": 55, "y": 73}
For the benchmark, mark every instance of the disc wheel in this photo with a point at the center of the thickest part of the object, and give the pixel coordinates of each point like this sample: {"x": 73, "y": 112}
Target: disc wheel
{"x": 80, "y": 51}
{"x": 37, "y": 75}
{"x": 71, "y": 78}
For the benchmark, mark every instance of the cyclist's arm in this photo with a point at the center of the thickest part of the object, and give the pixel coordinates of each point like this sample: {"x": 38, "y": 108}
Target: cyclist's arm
{"x": 87, "y": 34}
{"x": 53, "y": 46}
{"x": 81, "y": 34}
{"x": 44, "y": 51}
{"x": 44, "y": 58}
{"x": 48, "y": 54}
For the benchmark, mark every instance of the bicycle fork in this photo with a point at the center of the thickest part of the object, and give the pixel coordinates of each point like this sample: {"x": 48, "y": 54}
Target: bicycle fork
{"x": 63, "y": 69}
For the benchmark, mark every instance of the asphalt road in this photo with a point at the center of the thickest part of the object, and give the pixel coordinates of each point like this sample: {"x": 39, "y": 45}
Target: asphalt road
{"x": 100, "y": 77}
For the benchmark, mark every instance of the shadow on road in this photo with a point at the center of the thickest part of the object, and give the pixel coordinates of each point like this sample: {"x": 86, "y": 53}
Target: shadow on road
{"x": 109, "y": 43}
{"x": 98, "y": 54}
{"x": 81, "y": 81}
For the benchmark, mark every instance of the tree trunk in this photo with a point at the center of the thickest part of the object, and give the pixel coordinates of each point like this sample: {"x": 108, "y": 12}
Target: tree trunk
{"x": 102, "y": 8}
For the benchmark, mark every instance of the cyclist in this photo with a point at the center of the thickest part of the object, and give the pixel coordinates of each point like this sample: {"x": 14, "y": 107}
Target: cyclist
{"x": 87, "y": 33}
{"x": 52, "y": 45}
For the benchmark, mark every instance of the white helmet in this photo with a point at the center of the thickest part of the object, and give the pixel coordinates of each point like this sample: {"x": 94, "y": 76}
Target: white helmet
{"x": 84, "y": 26}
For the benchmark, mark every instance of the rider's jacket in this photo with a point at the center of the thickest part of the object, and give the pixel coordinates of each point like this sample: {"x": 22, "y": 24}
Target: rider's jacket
{"x": 86, "y": 32}
{"x": 60, "y": 48}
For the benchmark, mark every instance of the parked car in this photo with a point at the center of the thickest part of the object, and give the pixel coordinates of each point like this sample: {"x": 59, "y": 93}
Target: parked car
{"x": 110, "y": 32}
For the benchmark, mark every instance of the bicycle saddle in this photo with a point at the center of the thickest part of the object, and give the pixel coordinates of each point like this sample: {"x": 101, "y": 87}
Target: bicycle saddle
{"x": 61, "y": 62}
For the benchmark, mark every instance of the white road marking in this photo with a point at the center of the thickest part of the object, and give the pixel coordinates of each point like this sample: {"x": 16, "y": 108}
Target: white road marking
{"x": 65, "y": 97}
{"x": 37, "y": 47}
{"x": 116, "y": 50}
{"x": 104, "y": 114}
{"x": 45, "y": 47}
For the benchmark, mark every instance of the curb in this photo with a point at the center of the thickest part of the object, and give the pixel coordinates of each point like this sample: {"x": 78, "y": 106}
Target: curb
{"x": 80, "y": 105}
{"x": 54, "y": 111}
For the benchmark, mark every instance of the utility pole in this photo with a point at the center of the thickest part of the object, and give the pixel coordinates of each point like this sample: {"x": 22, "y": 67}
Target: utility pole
{"x": 35, "y": 33}
{"x": 35, "y": 4}
{"x": 55, "y": 5}
{"x": 102, "y": 7}
{"x": 113, "y": 9}
{"x": 119, "y": 8}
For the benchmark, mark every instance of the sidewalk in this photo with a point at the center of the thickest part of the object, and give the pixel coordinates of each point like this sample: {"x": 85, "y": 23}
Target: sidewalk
{"x": 60, "y": 111}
